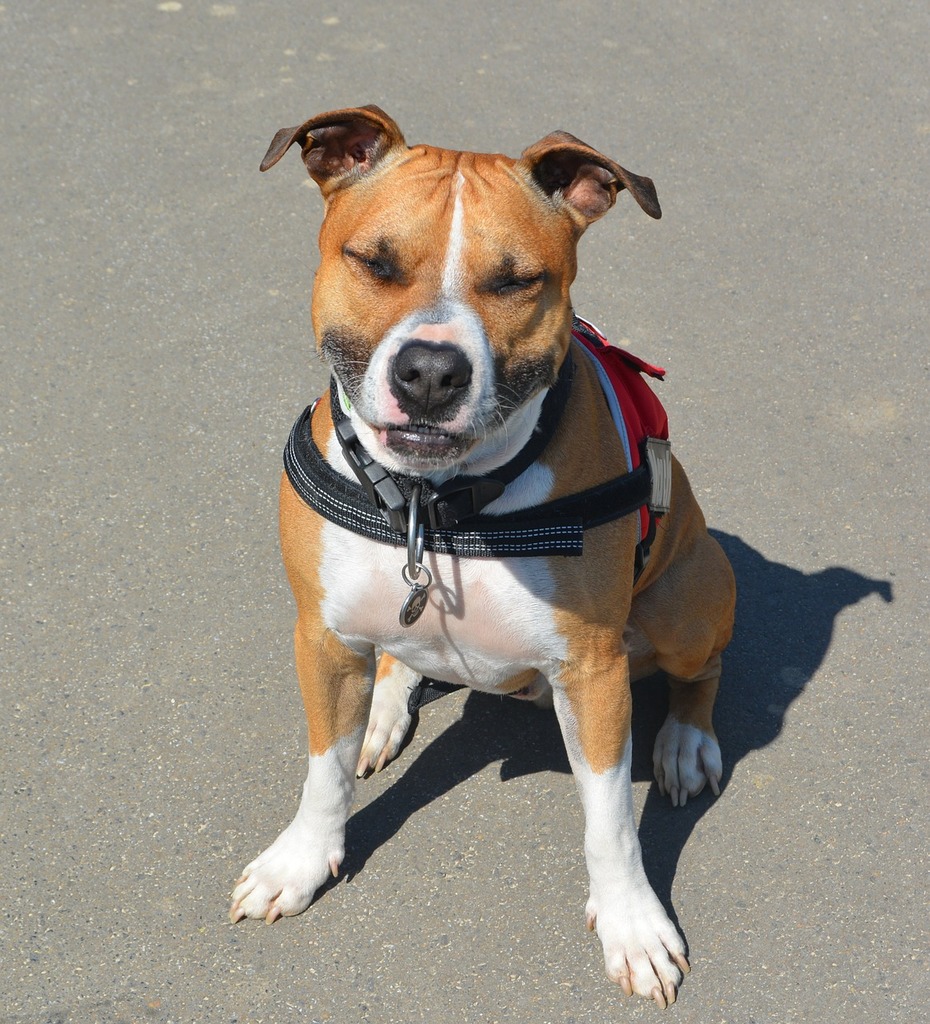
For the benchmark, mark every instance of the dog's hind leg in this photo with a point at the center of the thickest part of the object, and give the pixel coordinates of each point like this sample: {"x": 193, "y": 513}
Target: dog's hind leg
{"x": 687, "y": 755}
{"x": 389, "y": 720}
{"x": 687, "y": 615}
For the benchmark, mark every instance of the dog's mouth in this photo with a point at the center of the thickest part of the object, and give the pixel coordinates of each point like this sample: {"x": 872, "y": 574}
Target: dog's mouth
{"x": 423, "y": 444}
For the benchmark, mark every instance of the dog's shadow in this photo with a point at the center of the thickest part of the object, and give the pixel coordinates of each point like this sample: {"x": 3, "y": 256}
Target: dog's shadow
{"x": 784, "y": 625}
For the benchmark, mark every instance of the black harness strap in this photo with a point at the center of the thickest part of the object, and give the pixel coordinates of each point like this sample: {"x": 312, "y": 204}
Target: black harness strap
{"x": 427, "y": 690}
{"x": 553, "y": 528}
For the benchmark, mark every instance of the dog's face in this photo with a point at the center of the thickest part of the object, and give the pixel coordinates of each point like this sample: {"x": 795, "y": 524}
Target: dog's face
{"x": 441, "y": 303}
{"x": 442, "y": 297}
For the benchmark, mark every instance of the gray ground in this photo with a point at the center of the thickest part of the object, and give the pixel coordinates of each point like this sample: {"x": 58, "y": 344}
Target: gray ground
{"x": 156, "y": 349}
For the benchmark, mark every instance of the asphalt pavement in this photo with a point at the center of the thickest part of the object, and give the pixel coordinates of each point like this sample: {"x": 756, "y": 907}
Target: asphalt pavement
{"x": 156, "y": 348}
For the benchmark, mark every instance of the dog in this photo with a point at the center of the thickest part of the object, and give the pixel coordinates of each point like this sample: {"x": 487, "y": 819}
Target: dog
{"x": 442, "y": 307}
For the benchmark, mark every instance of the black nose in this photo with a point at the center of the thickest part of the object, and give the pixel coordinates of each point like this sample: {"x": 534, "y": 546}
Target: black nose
{"x": 429, "y": 379}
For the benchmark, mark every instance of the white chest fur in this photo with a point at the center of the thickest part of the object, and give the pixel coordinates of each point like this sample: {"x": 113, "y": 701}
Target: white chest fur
{"x": 486, "y": 620}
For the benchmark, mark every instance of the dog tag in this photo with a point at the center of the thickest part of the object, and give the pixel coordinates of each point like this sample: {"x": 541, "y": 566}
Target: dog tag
{"x": 413, "y": 606}
{"x": 415, "y": 601}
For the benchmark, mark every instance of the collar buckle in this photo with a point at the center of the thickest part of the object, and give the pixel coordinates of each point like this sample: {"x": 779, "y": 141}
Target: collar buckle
{"x": 379, "y": 485}
{"x": 461, "y": 498}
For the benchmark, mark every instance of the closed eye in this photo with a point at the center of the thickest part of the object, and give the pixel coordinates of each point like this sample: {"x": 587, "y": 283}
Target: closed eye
{"x": 513, "y": 284}
{"x": 380, "y": 265}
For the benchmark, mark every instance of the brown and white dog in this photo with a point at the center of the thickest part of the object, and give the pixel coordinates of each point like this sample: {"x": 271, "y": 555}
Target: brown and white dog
{"x": 442, "y": 306}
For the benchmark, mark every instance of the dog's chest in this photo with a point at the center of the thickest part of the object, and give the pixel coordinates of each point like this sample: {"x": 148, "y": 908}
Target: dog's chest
{"x": 485, "y": 621}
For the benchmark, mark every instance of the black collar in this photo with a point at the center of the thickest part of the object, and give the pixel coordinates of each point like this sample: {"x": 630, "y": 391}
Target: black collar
{"x": 377, "y": 506}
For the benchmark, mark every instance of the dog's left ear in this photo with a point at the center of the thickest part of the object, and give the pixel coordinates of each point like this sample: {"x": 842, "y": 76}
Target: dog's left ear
{"x": 339, "y": 147}
{"x": 586, "y": 181}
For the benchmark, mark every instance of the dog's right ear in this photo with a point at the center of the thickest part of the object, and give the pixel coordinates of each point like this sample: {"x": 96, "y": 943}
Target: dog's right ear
{"x": 339, "y": 147}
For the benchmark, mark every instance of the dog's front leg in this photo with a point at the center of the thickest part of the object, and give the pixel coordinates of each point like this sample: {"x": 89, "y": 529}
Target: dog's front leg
{"x": 336, "y": 686}
{"x": 643, "y": 951}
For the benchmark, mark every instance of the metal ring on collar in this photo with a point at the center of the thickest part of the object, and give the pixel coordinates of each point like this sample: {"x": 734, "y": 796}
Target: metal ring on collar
{"x": 413, "y": 582}
{"x": 415, "y": 536}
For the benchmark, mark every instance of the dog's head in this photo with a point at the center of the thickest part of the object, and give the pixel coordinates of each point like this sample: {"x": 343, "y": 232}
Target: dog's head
{"x": 442, "y": 297}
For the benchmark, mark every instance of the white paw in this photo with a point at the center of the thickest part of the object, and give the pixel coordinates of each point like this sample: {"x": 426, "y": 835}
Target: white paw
{"x": 685, "y": 760}
{"x": 643, "y": 952}
{"x": 388, "y": 721}
{"x": 282, "y": 880}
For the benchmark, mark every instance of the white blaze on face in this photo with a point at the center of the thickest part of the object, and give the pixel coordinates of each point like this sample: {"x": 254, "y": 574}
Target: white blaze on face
{"x": 446, "y": 318}
{"x": 452, "y": 268}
